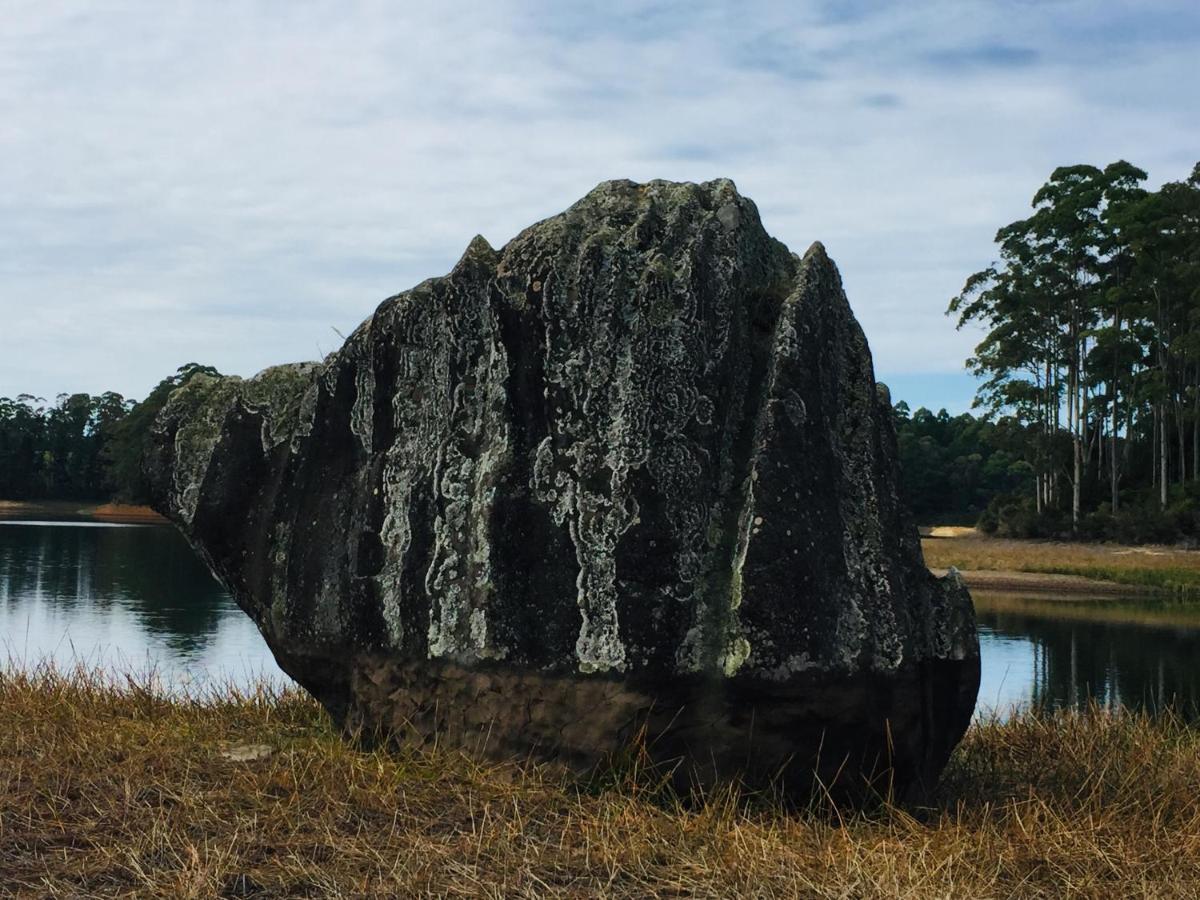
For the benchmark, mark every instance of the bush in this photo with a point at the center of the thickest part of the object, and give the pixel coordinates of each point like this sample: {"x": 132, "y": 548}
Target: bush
{"x": 1139, "y": 521}
{"x": 1144, "y": 523}
{"x": 1017, "y": 517}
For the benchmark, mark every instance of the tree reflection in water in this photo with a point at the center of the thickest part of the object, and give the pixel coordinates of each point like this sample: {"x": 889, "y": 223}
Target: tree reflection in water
{"x": 79, "y": 591}
{"x": 137, "y": 591}
{"x": 1069, "y": 653}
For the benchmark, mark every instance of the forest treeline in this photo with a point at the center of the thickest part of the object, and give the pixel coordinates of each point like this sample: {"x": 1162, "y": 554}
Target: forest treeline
{"x": 976, "y": 470}
{"x": 89, "y": 448}
{"x": 953, "y": 467}
{"x": 81, "y": 446}
{"x": 1092, "y": 355}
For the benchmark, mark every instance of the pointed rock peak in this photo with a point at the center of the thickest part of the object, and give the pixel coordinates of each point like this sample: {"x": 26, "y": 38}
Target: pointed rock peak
{"x": 818, "y": 267}
{"x": 816, "y": 254}
{"x": 723, "y": 188}
{"x": 478, "y": 252}
{"x": 615, "y": 186}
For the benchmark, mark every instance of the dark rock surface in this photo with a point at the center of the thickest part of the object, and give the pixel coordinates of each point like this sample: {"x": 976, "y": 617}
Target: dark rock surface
{"x": 631, "y": 471}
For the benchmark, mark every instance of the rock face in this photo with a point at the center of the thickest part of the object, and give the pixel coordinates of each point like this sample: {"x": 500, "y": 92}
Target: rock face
{"x": 630, "y": 472}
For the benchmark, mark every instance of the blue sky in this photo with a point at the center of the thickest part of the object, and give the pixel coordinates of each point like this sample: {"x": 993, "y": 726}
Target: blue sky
{"x": 231, "y": 183}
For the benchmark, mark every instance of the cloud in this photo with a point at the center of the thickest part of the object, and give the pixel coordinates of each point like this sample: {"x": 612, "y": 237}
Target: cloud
{"x": 999, "y": 55}
{"x": 882, "y": 100}
{"x": 194, "y": 181}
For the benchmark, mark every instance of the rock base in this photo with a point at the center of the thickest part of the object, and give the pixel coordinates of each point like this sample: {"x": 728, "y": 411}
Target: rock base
{"x": 855, "y": 738}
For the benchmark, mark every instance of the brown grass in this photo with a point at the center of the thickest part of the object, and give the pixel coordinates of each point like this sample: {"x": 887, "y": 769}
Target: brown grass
{"x": 1149, "y": 568}
{"x": 118, "y": 791}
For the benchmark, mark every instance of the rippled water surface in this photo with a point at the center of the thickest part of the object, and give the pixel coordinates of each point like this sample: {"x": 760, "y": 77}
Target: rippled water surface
{"x": 136, "y": 597}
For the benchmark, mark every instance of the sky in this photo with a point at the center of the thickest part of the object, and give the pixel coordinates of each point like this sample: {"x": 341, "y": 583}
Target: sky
{"x": 237, "y": 184}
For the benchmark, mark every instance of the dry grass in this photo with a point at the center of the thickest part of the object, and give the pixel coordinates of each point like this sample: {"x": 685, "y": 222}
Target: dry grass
{"x": 116, "y": 791}
{"x": 1157, "y": 568}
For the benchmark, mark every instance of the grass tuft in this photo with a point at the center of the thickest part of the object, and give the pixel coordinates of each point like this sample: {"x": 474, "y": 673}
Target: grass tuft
{"x": 111, "y": 788}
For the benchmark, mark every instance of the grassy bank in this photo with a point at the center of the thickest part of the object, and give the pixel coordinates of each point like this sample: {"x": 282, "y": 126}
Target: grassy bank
{"x": 1148, "y": 568}
{"x": 118, "y": 791}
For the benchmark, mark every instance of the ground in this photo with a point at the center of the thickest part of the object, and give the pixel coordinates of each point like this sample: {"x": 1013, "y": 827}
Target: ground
{"x": 109, "y": 788}
{"x": 117, "y": 791}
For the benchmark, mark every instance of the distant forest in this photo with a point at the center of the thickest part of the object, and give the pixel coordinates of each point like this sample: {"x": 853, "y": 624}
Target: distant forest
{"x": 89, "y": 448}
{"x": 1089, "y": 405}
{"x": 81, "y": 447}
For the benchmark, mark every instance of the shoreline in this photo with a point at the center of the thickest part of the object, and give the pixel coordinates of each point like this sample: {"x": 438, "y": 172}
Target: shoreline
{"x": 1141, "y": 611}
{"x": 97, "y": 511}
{"x": 1013, "y": 581}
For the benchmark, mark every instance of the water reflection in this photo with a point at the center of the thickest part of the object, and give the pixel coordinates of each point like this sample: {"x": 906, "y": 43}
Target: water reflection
{"x": 1067, "y": 653}
{"x": 137, "y": 597}
{"x": 133, "y": 596}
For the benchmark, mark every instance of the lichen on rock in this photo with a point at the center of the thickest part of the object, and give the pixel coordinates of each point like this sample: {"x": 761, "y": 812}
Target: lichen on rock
{"x": 642, "y": 445}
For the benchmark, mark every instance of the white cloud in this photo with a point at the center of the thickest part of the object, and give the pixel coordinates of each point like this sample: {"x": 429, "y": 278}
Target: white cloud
{"x": 196, "y": 182}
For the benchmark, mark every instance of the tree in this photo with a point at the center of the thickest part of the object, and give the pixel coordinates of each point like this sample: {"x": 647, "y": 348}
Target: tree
{"x": 81, "y": 447}
{"x": 952, "y": 466}
{"x": 131, "y": 436}
{"x": 1056, "y": 308}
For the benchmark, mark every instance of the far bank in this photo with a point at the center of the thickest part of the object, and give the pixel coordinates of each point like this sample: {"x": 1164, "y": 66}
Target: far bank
{"x": 99, "y": 510}
{"x": 1059, "y": 567}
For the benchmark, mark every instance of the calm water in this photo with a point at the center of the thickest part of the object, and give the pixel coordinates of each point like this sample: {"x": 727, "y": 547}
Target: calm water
{"x": 125, "y": 597}
{"x": 136, "y": 597}
{"x": 1140, "y": 653}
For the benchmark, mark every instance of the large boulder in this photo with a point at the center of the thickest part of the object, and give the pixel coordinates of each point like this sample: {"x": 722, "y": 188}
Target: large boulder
{"x": 629, "y": 475}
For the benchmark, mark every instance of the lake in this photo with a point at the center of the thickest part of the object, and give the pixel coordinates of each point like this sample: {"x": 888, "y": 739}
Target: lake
{"x": 122, "y": 597}
{"x": 135, "y": 597}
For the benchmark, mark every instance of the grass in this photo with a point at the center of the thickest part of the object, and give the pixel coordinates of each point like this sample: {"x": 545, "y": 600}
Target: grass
{"x": 115, "y": 790}
{"x": 1163, "y": 569}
